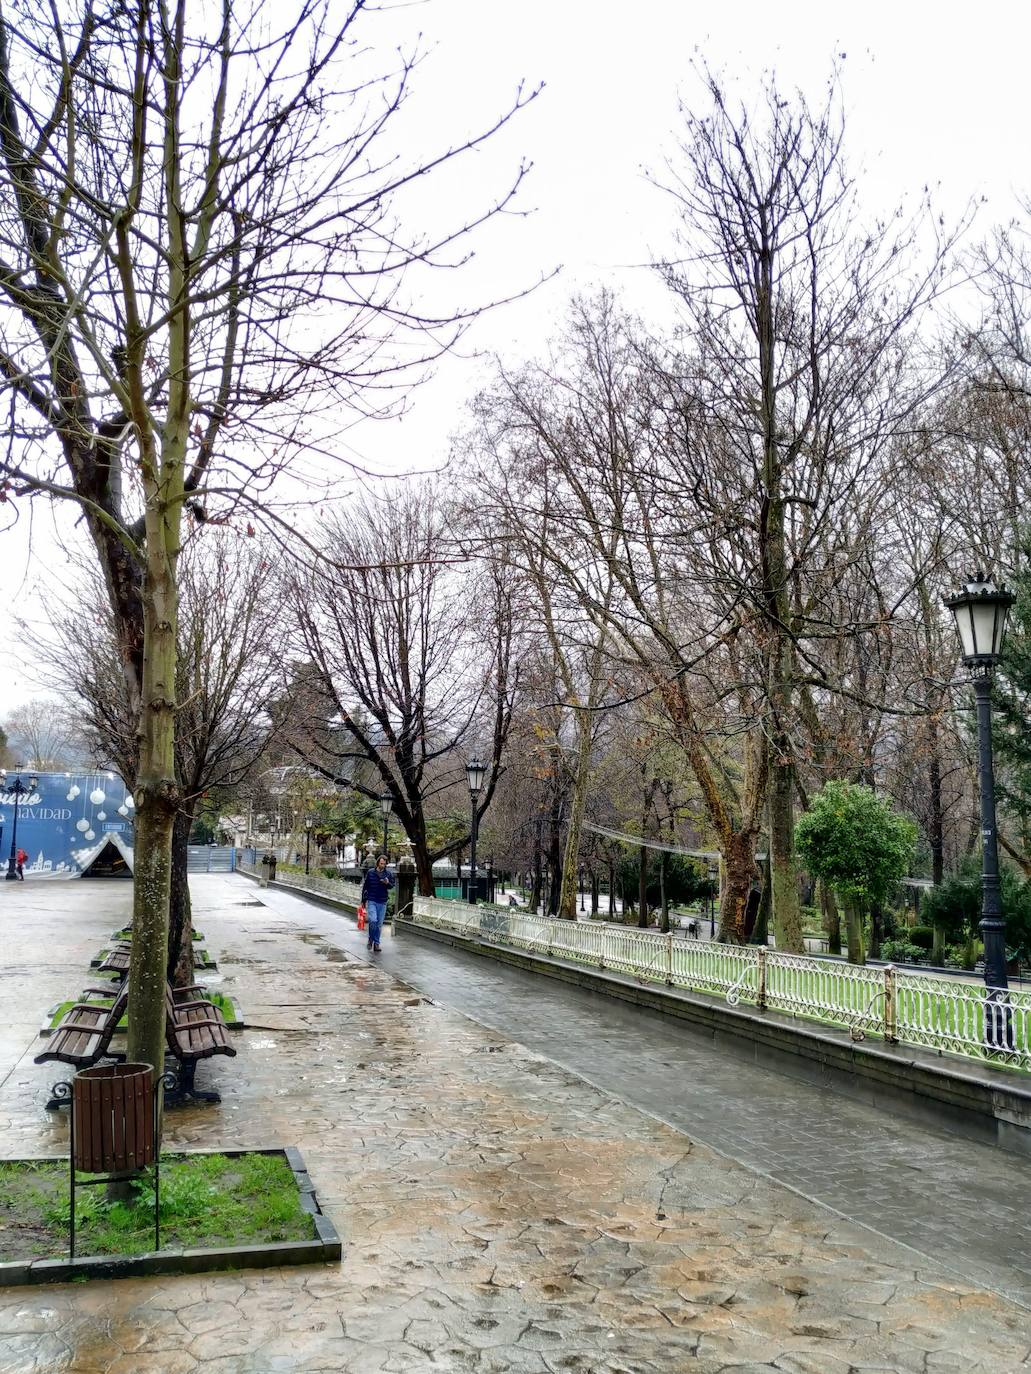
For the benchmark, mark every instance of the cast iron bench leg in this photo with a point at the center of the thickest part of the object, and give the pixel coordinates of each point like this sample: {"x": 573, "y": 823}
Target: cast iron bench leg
{"x": 184, "y": 1090}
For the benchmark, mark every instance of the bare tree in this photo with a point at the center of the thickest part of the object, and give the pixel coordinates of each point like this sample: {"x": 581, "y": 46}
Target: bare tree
{"x": 579, "y": 436}
{"x": 43, "y": 735}
{"x": 200, "y": 253}
{"x": 802, "y": 362}
{"x": 229, "y": 681}
{"x": 406, "y": 664}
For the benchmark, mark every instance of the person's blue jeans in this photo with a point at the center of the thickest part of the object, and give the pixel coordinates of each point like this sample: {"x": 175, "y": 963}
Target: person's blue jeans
{"x": 376, "y": 913}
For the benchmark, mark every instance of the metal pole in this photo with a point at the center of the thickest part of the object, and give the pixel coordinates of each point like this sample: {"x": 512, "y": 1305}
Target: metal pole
{"x": 998, "y": 1030}
{"x": 307, "y": 849}
{"x": 17, "y": 789}
{"x": 386, "y": 821}
{"x": 472, "y": 852}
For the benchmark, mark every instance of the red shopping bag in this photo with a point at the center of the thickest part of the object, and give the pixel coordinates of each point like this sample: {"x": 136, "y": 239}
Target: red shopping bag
{"x": 361, "y": 917}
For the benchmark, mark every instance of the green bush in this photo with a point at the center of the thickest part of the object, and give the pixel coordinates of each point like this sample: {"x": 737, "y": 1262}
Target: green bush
{"x": 963, "y": 956}
{"x": 922, "y": 937}
{"x": 954, "y": 905}
{"x": 902, "y": 952}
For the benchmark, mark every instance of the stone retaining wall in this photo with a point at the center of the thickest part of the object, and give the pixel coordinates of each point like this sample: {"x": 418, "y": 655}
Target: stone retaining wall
{"x": 989, "y": 1105}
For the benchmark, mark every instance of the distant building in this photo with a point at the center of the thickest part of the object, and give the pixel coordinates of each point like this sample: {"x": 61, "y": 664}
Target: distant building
{"x": 72, "y": 823}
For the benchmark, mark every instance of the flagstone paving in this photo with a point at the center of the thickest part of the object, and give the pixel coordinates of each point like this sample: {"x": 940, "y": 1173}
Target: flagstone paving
{"x": 498, "y": 1212}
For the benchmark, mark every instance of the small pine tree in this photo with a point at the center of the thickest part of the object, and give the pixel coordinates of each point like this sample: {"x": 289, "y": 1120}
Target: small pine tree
{"x": 855, "y": 842}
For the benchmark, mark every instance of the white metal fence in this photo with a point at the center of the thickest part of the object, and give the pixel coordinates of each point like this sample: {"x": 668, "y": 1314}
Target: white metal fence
{"x": 338, "y": 888}
{"x": 902, "y": 1006}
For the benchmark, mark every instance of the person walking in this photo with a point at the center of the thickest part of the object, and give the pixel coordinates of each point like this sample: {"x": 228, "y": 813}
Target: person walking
{"x": 20, "y": 860}
{"x": 375, "y": 892}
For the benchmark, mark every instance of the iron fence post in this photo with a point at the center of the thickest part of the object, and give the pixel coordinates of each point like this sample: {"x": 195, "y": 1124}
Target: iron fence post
{"x": 890, "y": 1029}
{"x": 760, "y": 977}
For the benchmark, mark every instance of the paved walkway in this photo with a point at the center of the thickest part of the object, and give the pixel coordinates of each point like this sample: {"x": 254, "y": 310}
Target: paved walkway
{"x": 499, "y": 1213}
{"x": 967, "y": 1205}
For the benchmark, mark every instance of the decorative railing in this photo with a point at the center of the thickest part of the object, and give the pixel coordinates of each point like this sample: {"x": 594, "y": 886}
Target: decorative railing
{"x": 338, "y": 888}
{"x": 902, "y": 1006}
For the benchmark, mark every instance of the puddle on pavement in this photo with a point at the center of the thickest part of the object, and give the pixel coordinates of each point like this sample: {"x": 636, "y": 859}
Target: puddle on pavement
{"x": 321, "y": 946}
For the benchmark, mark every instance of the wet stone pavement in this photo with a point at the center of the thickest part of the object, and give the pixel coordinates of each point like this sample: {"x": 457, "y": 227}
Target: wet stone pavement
{"x": 498, "y": 1212}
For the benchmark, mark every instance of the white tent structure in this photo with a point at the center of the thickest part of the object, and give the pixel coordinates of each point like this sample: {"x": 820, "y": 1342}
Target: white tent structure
{"x": 94, "y": 856}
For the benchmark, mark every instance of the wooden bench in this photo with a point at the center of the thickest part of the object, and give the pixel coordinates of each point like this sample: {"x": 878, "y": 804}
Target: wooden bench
{"x": 194, "y": 1030}
{"x": 82, "y": 1038}
{"x": 117, "y": 960}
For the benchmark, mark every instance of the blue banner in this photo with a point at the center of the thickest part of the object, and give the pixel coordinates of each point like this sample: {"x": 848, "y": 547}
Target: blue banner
{"x": 65, "y": 821}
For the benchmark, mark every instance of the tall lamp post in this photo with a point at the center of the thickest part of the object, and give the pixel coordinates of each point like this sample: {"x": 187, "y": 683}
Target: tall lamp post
{"x": 17, "y": 790}
{"x": 981, "y": 610}
{"x": 385, "y": 804}
{"x": 309, "y": 822}
{"x": 474, "y": 771}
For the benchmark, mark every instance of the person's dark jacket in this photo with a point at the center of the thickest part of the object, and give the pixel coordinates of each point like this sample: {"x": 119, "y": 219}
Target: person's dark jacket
{"x": 376, "y": 887}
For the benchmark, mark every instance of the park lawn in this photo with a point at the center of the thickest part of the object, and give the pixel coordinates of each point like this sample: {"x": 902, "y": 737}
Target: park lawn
{"x": 206, "y": 1201}
{"x": 224, "y": 1004}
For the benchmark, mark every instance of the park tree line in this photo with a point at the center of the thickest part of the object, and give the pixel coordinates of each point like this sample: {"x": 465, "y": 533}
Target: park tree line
{"x": 673, "y": 582}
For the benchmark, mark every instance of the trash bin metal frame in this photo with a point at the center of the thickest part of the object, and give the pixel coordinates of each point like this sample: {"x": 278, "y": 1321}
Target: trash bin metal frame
{"x": 110, "y": 1128}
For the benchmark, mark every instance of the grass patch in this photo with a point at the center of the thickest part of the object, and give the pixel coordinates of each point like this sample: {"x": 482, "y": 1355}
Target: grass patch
{"x": 206, "y": 1201}
{"x": 224, "y": 1004}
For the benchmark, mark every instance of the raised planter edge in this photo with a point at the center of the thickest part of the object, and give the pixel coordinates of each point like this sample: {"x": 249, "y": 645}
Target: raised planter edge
{"x": 326, "y": 1246}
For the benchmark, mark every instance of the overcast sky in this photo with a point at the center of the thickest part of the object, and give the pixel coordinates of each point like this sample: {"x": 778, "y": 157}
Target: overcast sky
{"x": 935, "y": 94}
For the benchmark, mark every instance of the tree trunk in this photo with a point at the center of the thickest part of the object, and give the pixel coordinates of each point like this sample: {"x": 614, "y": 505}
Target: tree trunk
{"x": 612, "y": 887}
{"x": 581, "y": 781}
{"x": 642, "y": 889}
{"x": 876, "y": 924}
{"x": 787, "y": 912}
{"x": 854, "y": 931}
{"x": 423, "y": 870}
{"x": 829, "y": 905}
{"x": 663, "y": 903}
{"x": 761, "y": 929}
{"x": 936, "y": 810}
{"x": 555, "y": 848}
{"x": 738, "y": 873}
{"x": 156, "y": 792}
{"x": 538, "y": 875}
{"x": 787, "y": 916}
{"x": 180, "y": 924}
{"x": 595, "y": 897}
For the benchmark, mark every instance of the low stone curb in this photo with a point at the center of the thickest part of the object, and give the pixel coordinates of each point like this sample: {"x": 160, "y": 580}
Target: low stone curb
{"x": 324, "y": 1248}
{"x": 973, "y": 1100}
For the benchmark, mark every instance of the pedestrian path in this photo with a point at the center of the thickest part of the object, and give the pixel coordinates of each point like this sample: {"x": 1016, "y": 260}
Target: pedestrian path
{"x": 499, "y": 1213}
{"x": 968, "y": 1205}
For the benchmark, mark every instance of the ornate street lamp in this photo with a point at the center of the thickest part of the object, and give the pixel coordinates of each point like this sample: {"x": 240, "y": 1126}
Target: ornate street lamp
{"x": 474, "y": 772}
{"x": 385, "y": 804}
{"x": 309, "y": 822}
{"x": 17, "y": 790}
{"x": 981, "y": 610}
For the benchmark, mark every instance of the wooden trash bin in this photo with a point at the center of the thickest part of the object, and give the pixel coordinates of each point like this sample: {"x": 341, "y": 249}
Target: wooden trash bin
{"x": 114, "y": 1130}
